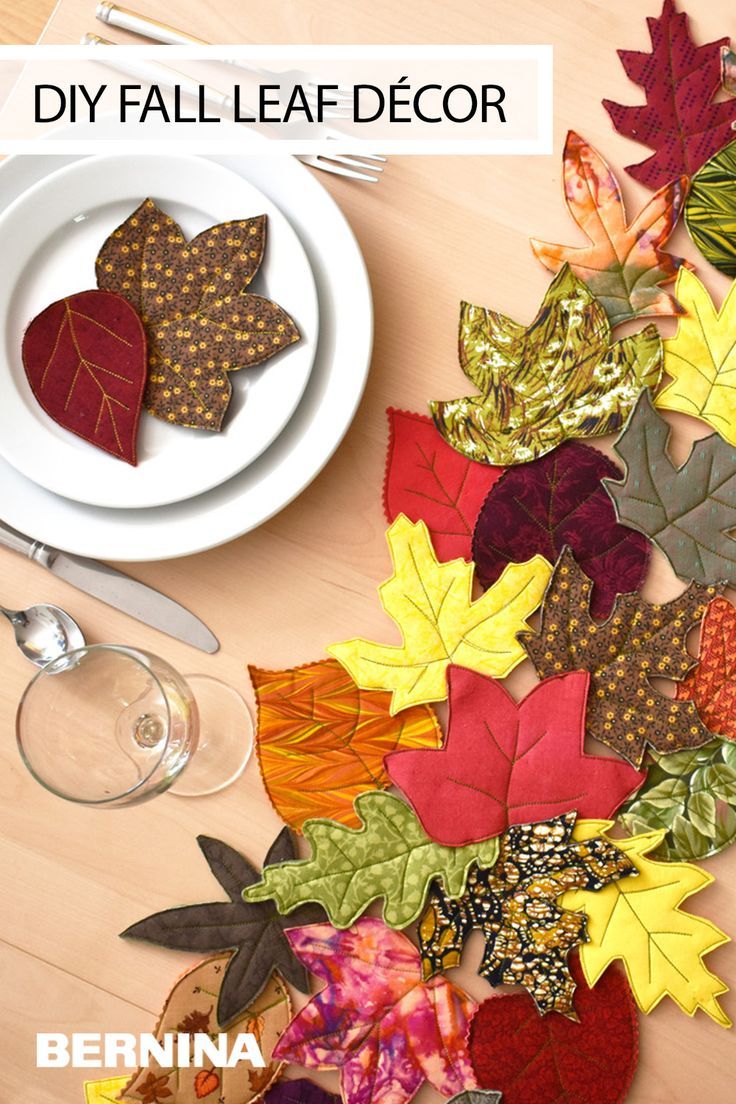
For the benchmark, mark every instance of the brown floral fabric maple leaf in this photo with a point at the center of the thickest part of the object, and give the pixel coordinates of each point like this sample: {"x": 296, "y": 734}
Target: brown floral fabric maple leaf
{"x": 639, "y": 641}
{"x": 200, "y": 320}
{"x": 528, "y": 936}
{"x": 711, "y": 686}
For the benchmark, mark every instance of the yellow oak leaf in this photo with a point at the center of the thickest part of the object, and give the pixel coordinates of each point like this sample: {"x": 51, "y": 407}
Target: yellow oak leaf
{"x": 639, "y": 920}
{"x": 701, "y": 358}
{"x": 432, "y": 603}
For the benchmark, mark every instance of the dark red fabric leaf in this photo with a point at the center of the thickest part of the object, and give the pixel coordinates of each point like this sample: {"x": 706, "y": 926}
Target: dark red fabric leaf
{"x": 679, "y": 120}
{"x": 533, "y": 1059}
{"x": 507, "y": 763}
{"x": 428, "y": 480}
{"x": 555, "y": 501}
{"x": 85, "y": 359}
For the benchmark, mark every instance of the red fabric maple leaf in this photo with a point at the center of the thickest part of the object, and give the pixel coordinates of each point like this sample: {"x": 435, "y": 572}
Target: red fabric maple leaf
{"x": 531, "y": 1058}
{"x": 385, "y": 1028}
{"x": 505, "y": 763}
{"x": 679, "y": 121}
{"x": 430, "y": 481}
{"x": 712, "y": 684}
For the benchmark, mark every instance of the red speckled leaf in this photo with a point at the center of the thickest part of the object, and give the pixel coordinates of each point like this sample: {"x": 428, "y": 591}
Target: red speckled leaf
{"x": 535, "y": 1059}
{"x": 507, "y": 763}
{"x": 555, "y": 501}
{"x": 85, "y": 359}
{"x": 430, "y": 481}
{"x": 679, "y": 120}
{"x": 712, "y": 684}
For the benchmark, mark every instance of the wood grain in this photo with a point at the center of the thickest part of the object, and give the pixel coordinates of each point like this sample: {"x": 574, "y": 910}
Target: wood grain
{"x": 434, "y": 231}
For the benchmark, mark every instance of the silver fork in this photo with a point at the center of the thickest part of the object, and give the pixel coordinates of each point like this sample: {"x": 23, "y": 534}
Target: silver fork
{"x": 356, "y": 167}
{"x": 127, "y": 20}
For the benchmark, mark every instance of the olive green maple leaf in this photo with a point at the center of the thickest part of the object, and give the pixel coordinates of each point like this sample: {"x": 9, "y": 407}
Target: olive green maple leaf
{"x": 390, "y": 856}
{"x": 558, "y": 378}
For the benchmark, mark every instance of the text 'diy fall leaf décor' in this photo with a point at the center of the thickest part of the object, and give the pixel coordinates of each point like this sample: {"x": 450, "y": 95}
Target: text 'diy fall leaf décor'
{"x": 201, "y": 321}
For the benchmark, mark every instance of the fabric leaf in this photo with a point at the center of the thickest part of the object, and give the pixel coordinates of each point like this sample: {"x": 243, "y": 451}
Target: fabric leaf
{"x": 321, "y": 740}
{"x": 254, "y": 932}
{"x": 528, "y": 937}
{"x": 688, "y": 511}
{"x": 299, "y": 1091}
{"x": 557, "y": 378}
{"x": 85, "y": 360}
{"x": 637, "y": 642}
{"x": 701, "y": 359}
{"x": 558, "y": 500}
{"x": 200, "y": 320}
{"x": 189, "y": 1009}
{"x": 711, "y": 685}
{"x": 476, "y": 1096}
{"x": 691, "y": 795}
{"x": 679, "y": 120}
{"x": 710, "y": 211}
{"x": 639, "y": 920}
{"x": 389, "y": 856}
{"x": 431, "y": 482}
{"x": 624, "y": 265}
{"x": 440, "y": 623}
{"x": 505, "y": 763}
{"x": 376, "y": 1020}
{"x": 552, "y": 1058}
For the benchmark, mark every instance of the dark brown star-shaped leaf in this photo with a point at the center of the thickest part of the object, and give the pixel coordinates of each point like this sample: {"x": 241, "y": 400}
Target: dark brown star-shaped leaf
{"x": 528, "y": 936}
{"x": 639, "y": 641}
{"x": 254, "y": 931}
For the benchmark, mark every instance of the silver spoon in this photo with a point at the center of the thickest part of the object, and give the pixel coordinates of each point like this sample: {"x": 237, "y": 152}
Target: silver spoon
{"x": 44, "y": 632}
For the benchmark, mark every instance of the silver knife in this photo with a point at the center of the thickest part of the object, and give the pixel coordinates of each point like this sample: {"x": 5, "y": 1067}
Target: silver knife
{"x": 116, "y": 589}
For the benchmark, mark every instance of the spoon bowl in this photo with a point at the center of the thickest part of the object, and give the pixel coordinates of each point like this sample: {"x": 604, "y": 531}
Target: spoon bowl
{"x": 44, "y": 632}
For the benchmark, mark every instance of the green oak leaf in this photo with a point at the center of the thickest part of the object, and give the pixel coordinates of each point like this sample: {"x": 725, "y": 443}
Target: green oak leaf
{"x": 688, "y": 512}
{"x": 389, "y": 857}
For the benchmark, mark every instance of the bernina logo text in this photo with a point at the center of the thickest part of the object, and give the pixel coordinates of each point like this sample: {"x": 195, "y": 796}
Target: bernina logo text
{"x": 55, "y": 1050}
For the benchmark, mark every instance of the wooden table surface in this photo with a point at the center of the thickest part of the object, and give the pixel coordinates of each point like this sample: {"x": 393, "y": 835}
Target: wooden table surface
{"x": 434, "y": 231}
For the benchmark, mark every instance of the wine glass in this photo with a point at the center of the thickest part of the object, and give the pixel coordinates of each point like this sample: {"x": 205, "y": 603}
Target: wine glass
{"x": 108, "y": 725}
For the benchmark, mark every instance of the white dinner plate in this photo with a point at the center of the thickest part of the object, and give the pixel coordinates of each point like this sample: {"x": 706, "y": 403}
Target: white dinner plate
{"x": 290, "y": 463}
{"x": 49, "y": 239}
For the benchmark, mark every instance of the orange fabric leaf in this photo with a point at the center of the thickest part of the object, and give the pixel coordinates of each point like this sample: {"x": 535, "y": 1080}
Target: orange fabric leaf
{"x": 321, "y": 740}
{"x": 712, "y": 684}
{"x": 206, "y": 1082}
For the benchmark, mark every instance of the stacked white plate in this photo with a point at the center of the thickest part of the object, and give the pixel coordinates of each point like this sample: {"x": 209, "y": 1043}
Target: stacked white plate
{"x": 191, "y": 489}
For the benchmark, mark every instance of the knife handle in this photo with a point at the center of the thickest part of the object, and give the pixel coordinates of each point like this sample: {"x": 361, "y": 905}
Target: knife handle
{"x": 26, "y": 546}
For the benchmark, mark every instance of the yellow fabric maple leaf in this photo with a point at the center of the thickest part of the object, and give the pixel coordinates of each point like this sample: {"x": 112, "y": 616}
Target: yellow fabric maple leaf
{"x": 701, "y": 358}
{"x": 432, "y": 603}
{"x": 639, "y": 920}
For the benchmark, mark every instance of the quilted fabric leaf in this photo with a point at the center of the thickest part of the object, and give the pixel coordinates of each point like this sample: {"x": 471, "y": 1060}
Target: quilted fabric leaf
{"x": 711, "y": 685}
{"x": 528, "y": 937}
{"x": 254, "y": 932}
{"x": 321, "y": 740}
{"x": 686, "y": 511}
{"x": 710, "y": 211}
{"x": 390, "y": 856}
{"x": 624, "y": 265}
{"x": 558, "y": 500}
{"x": 428, "y": 481}
{"x": 701, "y": 359}
{"x": 505, "y": 763}
{"x": 639, "y": 920}
{"x": 476, "y": 1096}
{"x": 691, "y": 795}
{"x": 432, "y": 603}
{"x": 299, "y": 1091}
{"x": 189, "y": 1009}
{"x": 679, "y": 120}
{"x": 638, "y": 641}
{"x": 200, "y": 320}
{"x": 85, "y": 360}
{"x": 552, "y": 1058}
{"x": 376, "y": 1020}
{"x": 557, "y": 378}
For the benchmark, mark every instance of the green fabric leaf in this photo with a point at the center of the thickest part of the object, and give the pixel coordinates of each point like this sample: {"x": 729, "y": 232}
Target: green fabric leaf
{"x": 558, "y": 378}
{"x": 701, "y": 811}
{"x": 710, "y": 211}
{"x": 390, "y": 856}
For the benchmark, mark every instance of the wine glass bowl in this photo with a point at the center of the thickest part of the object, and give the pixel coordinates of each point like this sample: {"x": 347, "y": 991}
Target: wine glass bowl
{"x": 107, "y": 725}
